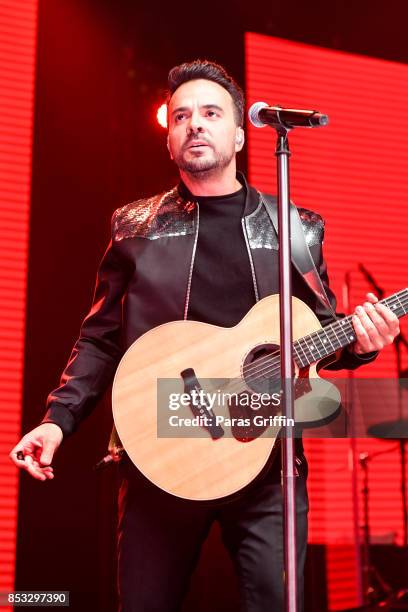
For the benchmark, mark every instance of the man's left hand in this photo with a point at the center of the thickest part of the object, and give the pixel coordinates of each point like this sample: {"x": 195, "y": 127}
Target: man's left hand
{"x": 375, "y": 325}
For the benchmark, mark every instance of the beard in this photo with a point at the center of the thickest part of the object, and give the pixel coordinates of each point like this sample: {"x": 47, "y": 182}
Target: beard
{"x": 203, "y": 165}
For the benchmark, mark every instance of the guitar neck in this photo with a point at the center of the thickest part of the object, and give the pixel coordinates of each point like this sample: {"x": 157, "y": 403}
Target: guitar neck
{"x": 329, "y": 339}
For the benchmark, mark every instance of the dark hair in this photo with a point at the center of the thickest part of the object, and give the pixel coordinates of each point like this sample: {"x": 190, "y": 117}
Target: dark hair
{"x": 204, "y": 69}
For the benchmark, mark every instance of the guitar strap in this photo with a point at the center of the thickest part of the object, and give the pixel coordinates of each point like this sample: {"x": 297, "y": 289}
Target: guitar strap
{"x": 301, "y": 256}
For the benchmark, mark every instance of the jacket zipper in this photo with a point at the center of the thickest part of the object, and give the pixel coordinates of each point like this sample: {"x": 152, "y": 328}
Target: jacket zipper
{"x": 190, "y": 276}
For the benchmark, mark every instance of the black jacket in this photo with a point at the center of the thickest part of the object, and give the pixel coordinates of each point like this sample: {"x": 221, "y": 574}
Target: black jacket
{"x": 144, "y": 280}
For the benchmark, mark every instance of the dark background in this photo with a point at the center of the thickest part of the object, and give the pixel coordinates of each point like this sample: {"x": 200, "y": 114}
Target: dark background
{"x": 101, "y": 73}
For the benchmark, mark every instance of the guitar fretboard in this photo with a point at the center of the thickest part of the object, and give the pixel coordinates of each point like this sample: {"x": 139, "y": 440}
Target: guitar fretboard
{"x": 335, "y": 336}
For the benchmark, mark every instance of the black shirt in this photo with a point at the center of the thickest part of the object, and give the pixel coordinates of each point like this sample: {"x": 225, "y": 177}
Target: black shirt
{"x": 222, "y": 289}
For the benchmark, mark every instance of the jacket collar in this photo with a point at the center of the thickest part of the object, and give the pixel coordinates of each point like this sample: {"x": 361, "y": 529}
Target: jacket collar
{"x": 251, "y": 194}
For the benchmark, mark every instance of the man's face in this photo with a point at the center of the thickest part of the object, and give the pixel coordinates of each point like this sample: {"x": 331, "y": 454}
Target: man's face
{"x": 203, "y": 133}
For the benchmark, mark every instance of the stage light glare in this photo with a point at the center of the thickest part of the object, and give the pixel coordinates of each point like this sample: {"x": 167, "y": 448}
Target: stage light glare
{"x": 162, "y": 115}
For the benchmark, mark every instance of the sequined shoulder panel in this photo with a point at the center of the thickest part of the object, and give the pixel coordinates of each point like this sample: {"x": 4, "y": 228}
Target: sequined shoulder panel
{"x": 162, "y": 215}
{"x": 260, "y": 231}
{"x": 313, "y": 226}
{"x": 262, "y": 235}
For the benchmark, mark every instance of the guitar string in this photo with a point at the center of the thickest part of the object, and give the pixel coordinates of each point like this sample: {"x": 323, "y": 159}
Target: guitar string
{"x": 271, "y": 359}
{"x": 267, "y": 358}
{"x": 240, "y": 385}
{"x": 275, "y": 369}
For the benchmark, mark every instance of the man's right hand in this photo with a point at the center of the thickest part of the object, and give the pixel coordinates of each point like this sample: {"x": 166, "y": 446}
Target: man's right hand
{"x": 38, "y": 447}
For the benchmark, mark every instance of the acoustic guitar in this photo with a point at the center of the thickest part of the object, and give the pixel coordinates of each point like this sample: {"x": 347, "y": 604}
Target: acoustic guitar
{"x": 197, "y": 406}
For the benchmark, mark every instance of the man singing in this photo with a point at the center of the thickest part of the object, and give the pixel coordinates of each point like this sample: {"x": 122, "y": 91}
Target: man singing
{"x": 204, "y": 250}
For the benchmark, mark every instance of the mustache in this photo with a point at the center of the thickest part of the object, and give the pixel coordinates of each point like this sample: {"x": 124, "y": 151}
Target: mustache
{"x": 192, "y": 139}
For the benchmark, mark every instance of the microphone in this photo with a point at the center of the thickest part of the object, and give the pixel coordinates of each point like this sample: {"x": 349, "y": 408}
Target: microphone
{"x": 260, "y": 115}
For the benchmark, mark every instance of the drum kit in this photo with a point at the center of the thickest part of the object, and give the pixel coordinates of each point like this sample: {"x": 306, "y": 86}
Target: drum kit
{"x": 376, "y": 593}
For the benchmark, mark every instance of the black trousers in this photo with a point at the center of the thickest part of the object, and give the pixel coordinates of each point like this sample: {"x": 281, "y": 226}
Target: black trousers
{"x": 160, "y": 538}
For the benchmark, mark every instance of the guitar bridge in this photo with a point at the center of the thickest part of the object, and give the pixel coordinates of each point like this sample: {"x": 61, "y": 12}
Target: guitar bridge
{"x": 200, "y": 408}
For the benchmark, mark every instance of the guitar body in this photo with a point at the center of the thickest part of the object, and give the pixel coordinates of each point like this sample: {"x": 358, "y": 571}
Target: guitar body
{"x": 201, "y": 467}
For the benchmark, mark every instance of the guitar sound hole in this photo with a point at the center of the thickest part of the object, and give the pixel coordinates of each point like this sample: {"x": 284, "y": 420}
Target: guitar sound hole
{"x": 261, "y": 369}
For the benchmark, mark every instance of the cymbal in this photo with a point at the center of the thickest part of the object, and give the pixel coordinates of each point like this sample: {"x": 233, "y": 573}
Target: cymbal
{"x": 390, "y": 430}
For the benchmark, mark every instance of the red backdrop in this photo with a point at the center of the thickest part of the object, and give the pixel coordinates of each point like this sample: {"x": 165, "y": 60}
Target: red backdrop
{"x": 18, "y": 30}
{"x": 354, "y": 174}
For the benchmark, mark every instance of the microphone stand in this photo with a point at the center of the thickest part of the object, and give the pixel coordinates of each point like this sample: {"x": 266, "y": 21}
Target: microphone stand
{"x": 376, "y": 590}
{"x": 361, "y": 590}
{"x": 402, "y": 441}
{"x": 399, "y": 340}
{"x": 282, "y": 154}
